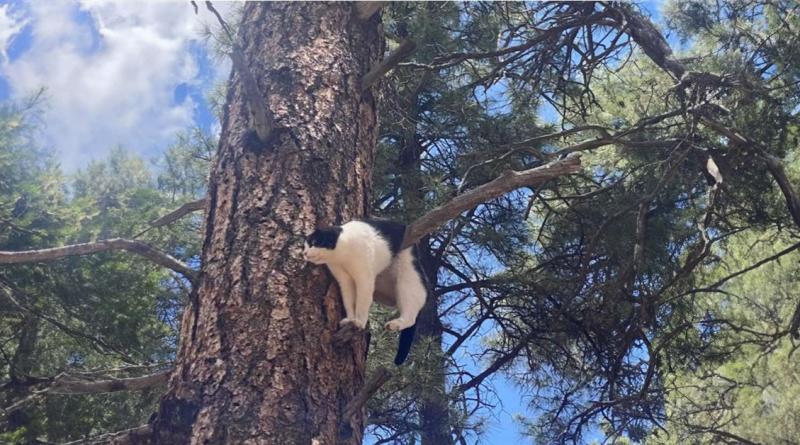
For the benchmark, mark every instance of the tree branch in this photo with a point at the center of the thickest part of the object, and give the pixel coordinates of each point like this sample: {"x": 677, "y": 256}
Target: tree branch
{"x": 100, "y": 345}
{"x": 139, "y": 248}
{"x": 134, "y": 436}
{"x": 407, "y": 46}
{"x": 347, "y": 333}
{"x": 508, "y": 181}
{"x": 450, "y": 60}
{"x": 773, "y": 164}
{"x": 728, "y": 435}
{"x": 76, "y": 386}
{"x": 66, "y": 384}
{"x": 755, "y": 265}
{"x": 381, "y": 376}
{"x": 650, "y": 40}
{"x": 259, "y": 112}
{"x": 494, "y": 367}
{"x": 656, "y": 47}
{"x": 179, "y": 213}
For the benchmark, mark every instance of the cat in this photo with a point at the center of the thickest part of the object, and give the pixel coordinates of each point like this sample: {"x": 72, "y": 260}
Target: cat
{"x": 364, "y": 257}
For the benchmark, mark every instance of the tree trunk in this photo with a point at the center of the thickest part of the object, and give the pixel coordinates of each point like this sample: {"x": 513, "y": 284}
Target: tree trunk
{"x": 21, "y": 366}
{"x": 434, "y": 411}
{"x": 256, "y": 364}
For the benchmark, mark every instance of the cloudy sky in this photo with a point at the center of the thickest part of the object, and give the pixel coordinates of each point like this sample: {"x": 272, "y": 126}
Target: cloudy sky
{"x": 116, "y": 73}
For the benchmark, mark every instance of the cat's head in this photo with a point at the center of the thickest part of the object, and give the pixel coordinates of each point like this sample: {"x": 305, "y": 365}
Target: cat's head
{"x": 319, "y": 245}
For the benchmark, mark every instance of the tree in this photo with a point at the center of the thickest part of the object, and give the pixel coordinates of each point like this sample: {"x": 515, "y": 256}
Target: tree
{"x": 587, "y": 287}
{"x": 270, "y": 184}
{"x": 619, "y": 252}
{"x": 260, "y": 317}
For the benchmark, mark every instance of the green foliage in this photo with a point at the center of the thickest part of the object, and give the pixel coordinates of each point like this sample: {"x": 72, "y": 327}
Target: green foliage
{"x": 748, "y": 388}
{"x": 101, "y": 311}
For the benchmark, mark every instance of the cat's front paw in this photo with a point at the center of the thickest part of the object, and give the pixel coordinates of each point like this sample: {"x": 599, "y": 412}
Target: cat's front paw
{"x": 395, "y": 325}
{"x": 345, "y": 321}
{"x": 354, "y": 321}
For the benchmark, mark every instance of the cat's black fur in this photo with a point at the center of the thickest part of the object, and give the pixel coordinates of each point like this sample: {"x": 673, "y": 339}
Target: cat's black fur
{"x": 393, "y": 232}
{"x": 325, "y": 237}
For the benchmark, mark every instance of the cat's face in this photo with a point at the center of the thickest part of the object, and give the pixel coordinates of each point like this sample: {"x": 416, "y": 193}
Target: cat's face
{"x": 319, "y": 246}
{"x": 316, "y": 255}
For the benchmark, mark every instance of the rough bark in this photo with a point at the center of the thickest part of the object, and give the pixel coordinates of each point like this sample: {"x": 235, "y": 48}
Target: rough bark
{"x": 256, "y": 363}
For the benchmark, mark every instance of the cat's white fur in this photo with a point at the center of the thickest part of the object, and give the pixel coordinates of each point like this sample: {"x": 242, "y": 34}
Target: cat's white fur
{"x": 365, "y": 269}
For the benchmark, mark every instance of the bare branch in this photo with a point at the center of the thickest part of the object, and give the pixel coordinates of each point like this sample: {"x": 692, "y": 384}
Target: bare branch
{"x": 508, "y": 181}
{"x": 494, "y": 367}
{"x": 670, "y": 169}
{"x": 259, "y": 112}
{"x": 66, "y": 384}
{"x": 381, "y": 376}
{"x": 450, "y": 60}
{"x": 753, "y": 266}
{"x": 134, "y": 436}
{"x": 100, "y": 345}
{"x": 79, "y": 386}
{"x": 365, "y": 10}
{"x": 546, "y": 137}
{"x": 136, "y": 247}
{"x": 179, "y": 213}
{"x": 407, "y": 46}
{"x": 727, "y": 435}
{"x": 468, "y": 333}
{"x": 528, "y": 145}
{"x": 794, "y": 324}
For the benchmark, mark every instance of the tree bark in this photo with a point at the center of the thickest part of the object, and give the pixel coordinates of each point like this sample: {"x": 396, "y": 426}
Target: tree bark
{"x": 256, "y": 364}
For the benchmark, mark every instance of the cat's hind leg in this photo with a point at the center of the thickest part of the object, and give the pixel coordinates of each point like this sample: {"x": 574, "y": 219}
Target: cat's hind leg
{"x": 410, "y": 292}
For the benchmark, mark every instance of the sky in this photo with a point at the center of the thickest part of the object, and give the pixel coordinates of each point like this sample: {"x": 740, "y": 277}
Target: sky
{"x": 133, "y": 74}
{"x": 128, "y": 73}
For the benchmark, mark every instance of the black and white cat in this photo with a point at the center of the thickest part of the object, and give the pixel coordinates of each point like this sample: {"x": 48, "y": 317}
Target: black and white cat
{"x": 365, "y": 258}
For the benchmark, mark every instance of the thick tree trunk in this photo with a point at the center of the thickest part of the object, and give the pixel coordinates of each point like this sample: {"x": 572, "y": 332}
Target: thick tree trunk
{"x": 256, "y": 364}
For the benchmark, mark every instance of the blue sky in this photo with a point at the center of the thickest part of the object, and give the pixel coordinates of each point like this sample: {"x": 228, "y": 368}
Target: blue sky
{"x": 116, "y": 73}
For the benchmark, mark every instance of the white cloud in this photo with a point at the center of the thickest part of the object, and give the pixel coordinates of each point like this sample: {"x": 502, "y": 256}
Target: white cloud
{"x": 117, "y": 90}
{"x": 11, "y": 23}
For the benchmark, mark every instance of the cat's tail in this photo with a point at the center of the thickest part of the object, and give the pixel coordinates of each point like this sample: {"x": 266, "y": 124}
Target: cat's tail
{"x": 406, "y": 339}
